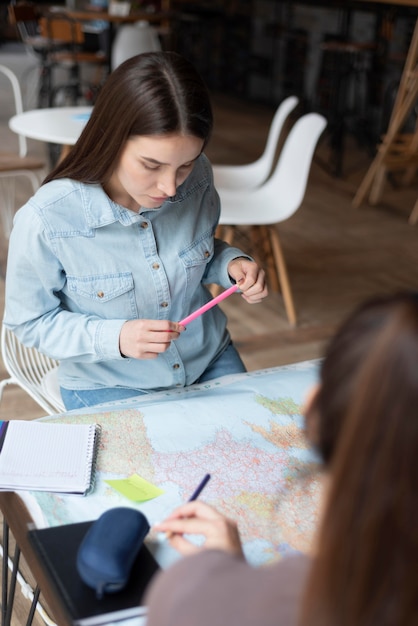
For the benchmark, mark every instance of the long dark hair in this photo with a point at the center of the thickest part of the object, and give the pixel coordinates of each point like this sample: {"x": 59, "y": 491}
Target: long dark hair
{"x": 154, "y": 93}
{"x": 366, "y": 568}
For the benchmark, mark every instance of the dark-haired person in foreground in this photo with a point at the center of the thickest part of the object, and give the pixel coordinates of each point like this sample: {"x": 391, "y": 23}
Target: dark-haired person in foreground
{"x": 363, "y": 420}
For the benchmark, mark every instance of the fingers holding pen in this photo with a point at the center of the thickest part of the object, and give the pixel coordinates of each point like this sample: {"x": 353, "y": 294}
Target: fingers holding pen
{"x": 257, "y": 290}
{"x": 250, "y": 278}
{"x": 198, "y": 518}
{"x": 194, "y": 508}
{"x": 145, "y": 339}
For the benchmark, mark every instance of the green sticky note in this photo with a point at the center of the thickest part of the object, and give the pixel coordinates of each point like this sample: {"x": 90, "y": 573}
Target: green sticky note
{"x": 135, "y": 488}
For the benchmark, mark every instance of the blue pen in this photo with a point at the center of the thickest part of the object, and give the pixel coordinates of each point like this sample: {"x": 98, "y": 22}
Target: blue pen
{"x": 200, "y": 488}
{"x": 194, "y": 496}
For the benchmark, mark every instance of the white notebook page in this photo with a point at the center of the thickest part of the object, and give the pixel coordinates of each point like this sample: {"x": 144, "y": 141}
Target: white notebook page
{"x": 51, "y": 457}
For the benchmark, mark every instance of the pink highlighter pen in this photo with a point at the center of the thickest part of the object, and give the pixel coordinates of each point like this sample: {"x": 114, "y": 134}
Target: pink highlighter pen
{"x": 209, "y": 305}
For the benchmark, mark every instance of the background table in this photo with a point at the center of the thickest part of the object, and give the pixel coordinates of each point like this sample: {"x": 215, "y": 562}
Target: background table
{"x": 60, "y": 125}
{"x": 156, "y": 18}
{"x": 245, "y": 430}
{"x": 56, "y": 125}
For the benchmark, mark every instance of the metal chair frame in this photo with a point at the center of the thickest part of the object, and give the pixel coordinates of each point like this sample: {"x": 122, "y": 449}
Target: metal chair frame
{"x": 34, "y": 372}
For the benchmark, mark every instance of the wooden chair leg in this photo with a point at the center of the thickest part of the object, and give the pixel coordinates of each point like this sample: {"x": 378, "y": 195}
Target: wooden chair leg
{"x": 411, "y": 170}
{"x": 366, "y": 183}
{"x": 226, "y": 233}
{"x": 376, "y": 188}
{"x": 413, "y": 218}
{"x": 282, "y": 274}
{"x": 395, "y": 124}
{"x": 268, "y": 258}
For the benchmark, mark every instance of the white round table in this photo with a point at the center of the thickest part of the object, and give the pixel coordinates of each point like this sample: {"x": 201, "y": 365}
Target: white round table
{"x": 60, "y": 125}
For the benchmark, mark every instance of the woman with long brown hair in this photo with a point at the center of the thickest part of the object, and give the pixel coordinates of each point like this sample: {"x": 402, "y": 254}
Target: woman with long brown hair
{"x": 364, "y": 572}
{"x": 118, "y": 245}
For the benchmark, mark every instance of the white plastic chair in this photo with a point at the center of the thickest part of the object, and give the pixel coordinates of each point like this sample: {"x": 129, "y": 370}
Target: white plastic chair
{"x": 275, "y": 201}
{"x": 32, "y": 371}
{"x": 253, "y": 174}
{"x": 132, "y": 39}
{"x": 16, "y": 164}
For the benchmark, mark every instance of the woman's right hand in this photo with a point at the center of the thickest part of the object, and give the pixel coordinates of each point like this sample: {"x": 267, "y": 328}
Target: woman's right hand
{"x": 146, "y": 339}
{"x": 198, "y": 518}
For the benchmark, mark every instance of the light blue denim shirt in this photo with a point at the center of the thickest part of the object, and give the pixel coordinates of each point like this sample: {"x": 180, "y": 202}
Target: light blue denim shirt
{"x": 80, "y": 265}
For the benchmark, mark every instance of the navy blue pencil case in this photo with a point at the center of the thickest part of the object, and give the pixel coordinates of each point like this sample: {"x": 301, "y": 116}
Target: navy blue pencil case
{"x": 109, "y": 548}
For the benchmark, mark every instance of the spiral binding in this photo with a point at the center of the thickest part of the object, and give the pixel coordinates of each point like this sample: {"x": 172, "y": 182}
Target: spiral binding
{"x": 93, "y": 453}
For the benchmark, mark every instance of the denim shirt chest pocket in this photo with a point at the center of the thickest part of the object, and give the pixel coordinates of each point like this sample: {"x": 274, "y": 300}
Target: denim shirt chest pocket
{"x": 107, "y": 295}
{"x": 196, "y": 257}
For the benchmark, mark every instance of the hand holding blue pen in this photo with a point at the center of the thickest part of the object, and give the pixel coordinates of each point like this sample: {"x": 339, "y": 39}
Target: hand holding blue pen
{"x": 194, "y": 496}
{"x": 197, "y": 518}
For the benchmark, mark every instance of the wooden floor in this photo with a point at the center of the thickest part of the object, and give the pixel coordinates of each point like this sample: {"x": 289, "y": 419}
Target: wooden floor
{"x": 336, "y": 255}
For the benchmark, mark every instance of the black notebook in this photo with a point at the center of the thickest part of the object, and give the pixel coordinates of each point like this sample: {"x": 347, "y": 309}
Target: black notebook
{"x": 57, "y": 549}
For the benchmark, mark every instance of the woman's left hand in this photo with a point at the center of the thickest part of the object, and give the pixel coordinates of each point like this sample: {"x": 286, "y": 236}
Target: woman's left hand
{"x": 250, "y": 279}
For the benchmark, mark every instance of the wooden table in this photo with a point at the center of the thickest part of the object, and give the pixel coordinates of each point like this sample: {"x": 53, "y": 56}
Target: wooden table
{"x": 17, "y": 518}
{"x": 246, "y": 430}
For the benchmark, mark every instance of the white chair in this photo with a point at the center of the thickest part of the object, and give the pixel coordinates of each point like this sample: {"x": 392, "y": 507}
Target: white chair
{"x": 132, "y": 39}
{"x": 35, "y": 374}
{"x": 32, "y": 371}
{"x": 275, "y": 201}
{"x": 253, "y": 174}
{"x": 16, "y": 164}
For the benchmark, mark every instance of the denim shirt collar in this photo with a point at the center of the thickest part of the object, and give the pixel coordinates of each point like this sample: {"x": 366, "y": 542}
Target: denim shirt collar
{"x": 100, "y": 210}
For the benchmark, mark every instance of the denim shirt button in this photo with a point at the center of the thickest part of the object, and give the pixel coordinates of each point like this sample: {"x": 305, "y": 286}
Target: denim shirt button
{"x": 164, "y": 304}
{"x": 207, "y": 254}
{"x": 156, "y": 266}
{"x": 100, "y": 294}
{"x": 176, "y": 366}
{"x": 144, "y": 224}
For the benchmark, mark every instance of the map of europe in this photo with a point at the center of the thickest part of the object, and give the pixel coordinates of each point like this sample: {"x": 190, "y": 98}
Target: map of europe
{"x": 246, "y": 430}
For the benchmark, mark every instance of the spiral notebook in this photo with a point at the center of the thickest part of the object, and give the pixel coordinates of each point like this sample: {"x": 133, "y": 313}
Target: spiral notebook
{"x": 42, "y": 456}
